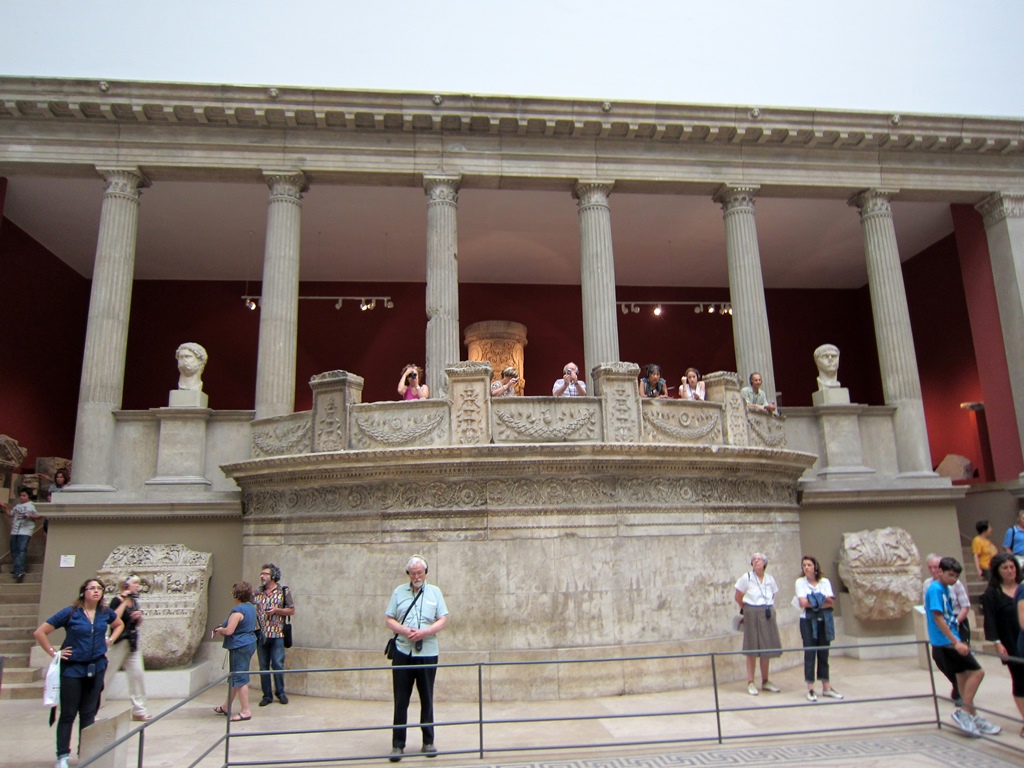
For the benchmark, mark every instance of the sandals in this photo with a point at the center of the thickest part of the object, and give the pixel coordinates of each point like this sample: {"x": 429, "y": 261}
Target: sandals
{"x": 220, "y": 711}
{"x": 240, "y": 718}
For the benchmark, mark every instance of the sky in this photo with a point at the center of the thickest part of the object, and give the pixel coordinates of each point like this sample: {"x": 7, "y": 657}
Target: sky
{"x": 958, "y": 57}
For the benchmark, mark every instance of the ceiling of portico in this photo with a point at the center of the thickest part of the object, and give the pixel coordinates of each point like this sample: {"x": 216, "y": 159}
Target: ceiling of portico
{"x": 215, "y": 231}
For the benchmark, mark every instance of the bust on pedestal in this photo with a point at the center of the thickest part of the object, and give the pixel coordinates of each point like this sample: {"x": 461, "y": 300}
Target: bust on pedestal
{"x": 191, "y": 359}
{"x": 842, "y": 456}
{"x": 826, "y": 357}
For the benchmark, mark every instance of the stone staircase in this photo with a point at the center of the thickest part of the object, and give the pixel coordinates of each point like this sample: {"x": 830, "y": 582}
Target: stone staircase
{"x": 19, "y": 616}
{"x": 975, "y": 589}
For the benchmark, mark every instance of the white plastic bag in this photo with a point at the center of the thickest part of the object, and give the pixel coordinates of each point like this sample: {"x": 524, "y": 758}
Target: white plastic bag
{"x": 51, "y": 691}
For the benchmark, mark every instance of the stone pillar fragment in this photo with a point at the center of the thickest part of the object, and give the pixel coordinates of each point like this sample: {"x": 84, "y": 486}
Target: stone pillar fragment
{"x": 1004, "y": 229}
{"x": 442, "y": 279}
{"x": 597, "y": 277}
{"x": 279, "y": 299}
{"x": 724, "y": 387}
{"x": 106, "y": 334}
{"x": 746, "y": 286}
{"x": 901, "y": 383}
{"x": 333, "y": 393}
{"x": 469, "y": 402}
{"x": 620, "y": 401}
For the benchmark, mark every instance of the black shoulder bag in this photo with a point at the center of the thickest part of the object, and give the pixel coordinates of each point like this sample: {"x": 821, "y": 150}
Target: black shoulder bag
{"x": 287, "y": 619}
{"x": 389, "y": 648}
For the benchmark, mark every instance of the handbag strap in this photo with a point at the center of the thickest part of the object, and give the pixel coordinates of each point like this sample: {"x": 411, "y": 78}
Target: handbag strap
{"x": 284, "y": 599}
{"x": 407, "y": 610}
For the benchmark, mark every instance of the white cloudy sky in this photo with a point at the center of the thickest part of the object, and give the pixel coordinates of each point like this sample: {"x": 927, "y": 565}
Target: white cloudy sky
{"x": 946, "y": 56}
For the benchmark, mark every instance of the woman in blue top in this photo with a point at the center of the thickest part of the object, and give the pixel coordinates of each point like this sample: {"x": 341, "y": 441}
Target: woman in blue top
{"x": 239, "y": 633}
{"x": 83, "y": 659}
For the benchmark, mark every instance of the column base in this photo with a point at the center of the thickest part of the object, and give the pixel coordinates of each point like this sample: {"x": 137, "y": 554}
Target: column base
{"x": 89, "y": 488}
{"x": 187, "y": 483}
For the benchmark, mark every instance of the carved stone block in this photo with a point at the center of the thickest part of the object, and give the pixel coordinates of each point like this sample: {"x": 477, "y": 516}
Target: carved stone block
{"x": 11, "y": 454}
{"x": 724, "y": 387}
{"x": 620, "y": 396}
{"x": 333, "y": 393}
{"x": 687, "y": 422}
{"x": 175, "y": 582}
{"x": 546, "y": 419}
{"x": 413, "y": 423}
{"x": 469, "y": 402}
{"x": 282, "y": 435}
{"x": 881, "y": 568}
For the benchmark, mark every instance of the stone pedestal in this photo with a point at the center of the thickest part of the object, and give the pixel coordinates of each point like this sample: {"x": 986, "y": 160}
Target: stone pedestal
{"x": 500, "y": 343}
{"x": 188, "y": 398}
{"x": 469, "y": 398}
{"x": 617, "y": 383}
{"x": 333, "y": 392}
{"x": 181, "y": 451}
{"x": 831, "y": 396}
{"x": 109, "y": 726}
{"x": 843, "y": 457}
{"x": 724, "y": 387}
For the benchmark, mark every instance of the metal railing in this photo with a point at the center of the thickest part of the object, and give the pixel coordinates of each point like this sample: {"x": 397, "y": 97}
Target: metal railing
{"x": 481, "y": 723}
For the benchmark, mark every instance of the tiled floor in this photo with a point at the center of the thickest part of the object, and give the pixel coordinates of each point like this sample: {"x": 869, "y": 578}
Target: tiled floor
{"x": 900, "y": 732}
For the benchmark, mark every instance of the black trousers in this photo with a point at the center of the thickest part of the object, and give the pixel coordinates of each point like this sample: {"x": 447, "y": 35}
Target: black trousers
{"x": 79, "y": 697}
{"x": 408, "y": 671}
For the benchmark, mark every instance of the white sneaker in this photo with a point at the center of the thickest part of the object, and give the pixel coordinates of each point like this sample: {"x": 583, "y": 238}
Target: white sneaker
{"x": 751, "y": 689}
{"x": 767, "y": 685}
{"x": 62, "y": 762}
{"x": 811, "y": 696}
{"x": 966, "y": 723}
{"x": 832, "y": 693}
{"x": 985, "y": 727}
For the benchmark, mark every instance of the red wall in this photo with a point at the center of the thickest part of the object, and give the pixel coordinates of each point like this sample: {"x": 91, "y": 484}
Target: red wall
{"x": 987, "y": 335}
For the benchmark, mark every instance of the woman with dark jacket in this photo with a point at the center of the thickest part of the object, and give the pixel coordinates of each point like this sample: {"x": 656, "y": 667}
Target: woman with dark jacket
{"x": 1002, "y": 624}
{"x": 83, "y": 659}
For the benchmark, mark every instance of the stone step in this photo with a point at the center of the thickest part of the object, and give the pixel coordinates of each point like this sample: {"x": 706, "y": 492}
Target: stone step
{"x": 15, "y": 660}
{"x": 22, "y": 690}
{"x": 21, "y": 632}
{"x": 25, "y": 620}
{"x": 22, "y": 674}
{"x": 11, "y": 610}
{"x": 21, "y": 598}
{"x": 31, "y": 577}
{"x": 16, "y": 644}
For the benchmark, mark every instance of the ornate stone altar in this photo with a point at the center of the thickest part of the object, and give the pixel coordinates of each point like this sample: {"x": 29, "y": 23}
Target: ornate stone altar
{"x": 882, "y": 570}
{"x": 592, "y": 524}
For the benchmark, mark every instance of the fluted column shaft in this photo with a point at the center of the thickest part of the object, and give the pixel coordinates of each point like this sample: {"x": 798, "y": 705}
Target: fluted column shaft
{"x": 901, "y": 383}
{"x": 1004, "y": 229}
{"x": 751, "y": 337}
{"x": 597, "y": 276}
{"x": 279, "y": 297}
{"x": 442, "y": 279}
{"x": 106, "y": 335}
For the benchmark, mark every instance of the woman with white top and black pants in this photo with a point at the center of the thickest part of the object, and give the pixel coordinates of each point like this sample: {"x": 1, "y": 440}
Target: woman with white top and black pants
{"x": 815, "y": 597}
{"x": 755, "y": 593}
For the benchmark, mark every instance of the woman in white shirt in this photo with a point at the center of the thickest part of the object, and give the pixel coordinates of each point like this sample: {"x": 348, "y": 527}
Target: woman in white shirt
{"x": 691, "y": 387}
{"x": 755, "y": 593}
{"x": 816, "y": 598}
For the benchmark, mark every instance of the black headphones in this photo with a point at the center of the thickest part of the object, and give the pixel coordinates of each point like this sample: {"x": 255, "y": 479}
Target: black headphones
{"x": 426, "y": 568}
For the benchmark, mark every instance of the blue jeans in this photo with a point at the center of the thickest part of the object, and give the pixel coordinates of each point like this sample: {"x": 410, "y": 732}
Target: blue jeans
{"x": 270, "y": 651}
{"x": 19, "y": 549}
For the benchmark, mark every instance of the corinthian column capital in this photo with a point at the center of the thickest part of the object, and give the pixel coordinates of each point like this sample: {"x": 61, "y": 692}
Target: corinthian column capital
{"x": 1001, "y": 205}
{"x": 591, "y": 193}
{"x": 736, "y": 196}
{"x": 442, "y": 189}
{"x": 286, "y": 186}
{"x": 124, "y": 182}
{"x": 873, "y": 202}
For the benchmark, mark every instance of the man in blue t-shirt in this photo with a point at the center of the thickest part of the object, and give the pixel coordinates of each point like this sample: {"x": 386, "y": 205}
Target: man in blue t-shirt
{"x": 950, "y": 652}
{"x": 1013, "y": 541}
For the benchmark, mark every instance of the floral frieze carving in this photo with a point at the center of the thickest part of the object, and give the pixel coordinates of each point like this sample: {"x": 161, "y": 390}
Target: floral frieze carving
{"x": 766, "y": 430}
{"x": 681, "y": 422}
{"x": 392, "y": 429}
{"x": 283, "y": 437}
{"x": 543, "y": 420}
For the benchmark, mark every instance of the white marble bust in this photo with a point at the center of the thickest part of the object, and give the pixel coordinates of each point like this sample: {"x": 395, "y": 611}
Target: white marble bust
{"x": 826, "y": 357}
{"x": 191, "y": 362}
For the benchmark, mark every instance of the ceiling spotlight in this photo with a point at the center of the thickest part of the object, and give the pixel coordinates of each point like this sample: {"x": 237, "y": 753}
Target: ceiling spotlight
{"x": 657, "y": 310}
{"x": 698, "y": 309}
{"x": 389, "y": 304}
{"x": 634, "y": 309}
{"x": 624, "y": 308}
{"x": 711, "y": 309}
{"x": 363, "y": 305}
{"x": 249, "y": 303}
{"x": 338, "y": 305}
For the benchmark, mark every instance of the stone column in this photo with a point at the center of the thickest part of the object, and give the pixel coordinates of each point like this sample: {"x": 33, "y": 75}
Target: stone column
{"x": 106, "y": 334}
{"x": 1004, "y": 228}
{"x": 597, "y": 278}
{"x": 901, "y": 384}
{"x": 279, "y": 298}
{"x": 442, "y": 279}
{"x": 751, "y": 338}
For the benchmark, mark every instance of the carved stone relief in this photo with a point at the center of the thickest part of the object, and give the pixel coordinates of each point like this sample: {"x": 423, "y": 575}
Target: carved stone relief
{"x": 399, "y": 425}
{"x": 689, "y": 423}
{"x": 500, "y": 343}
{"x": 545, "y": 420}
{"x": 11, "y": 454}
{"x": 283, "y": 436}
{"x": 765, "y": 430}
{"x": 882, "y": 570}
{"x": 175, "y": 581}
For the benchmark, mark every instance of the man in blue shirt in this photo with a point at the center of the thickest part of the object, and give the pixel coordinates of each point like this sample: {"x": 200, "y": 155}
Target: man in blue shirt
{"x": 1013, "y": 541}
{"x": 950, "y": 652}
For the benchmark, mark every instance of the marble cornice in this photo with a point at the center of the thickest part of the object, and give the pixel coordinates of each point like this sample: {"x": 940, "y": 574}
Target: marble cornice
{"x": 230, "y": 106}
